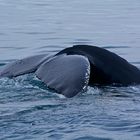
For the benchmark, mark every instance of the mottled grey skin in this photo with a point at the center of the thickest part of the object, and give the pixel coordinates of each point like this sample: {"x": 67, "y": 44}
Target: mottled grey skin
{"x": 66, "y": 74}
{"x": 23, "y": 66}
{"x": 71, "y": 70}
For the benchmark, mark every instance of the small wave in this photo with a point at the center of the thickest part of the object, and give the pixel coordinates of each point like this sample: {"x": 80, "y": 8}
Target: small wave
{"x": 2, "y": 64}
{"x": 91, "y": 138}
{"x": 111, "y": 91}
{"x": 115, "y": 47}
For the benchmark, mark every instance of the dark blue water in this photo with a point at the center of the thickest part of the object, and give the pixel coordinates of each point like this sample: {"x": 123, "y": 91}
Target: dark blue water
{"x": 28, "y": 110}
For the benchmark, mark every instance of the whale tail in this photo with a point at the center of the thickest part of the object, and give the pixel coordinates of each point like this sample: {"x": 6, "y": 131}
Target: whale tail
{"x": 72, "y": 69}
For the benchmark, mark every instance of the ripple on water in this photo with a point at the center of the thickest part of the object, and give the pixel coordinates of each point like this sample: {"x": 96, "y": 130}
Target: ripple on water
{"x": 28, "y": 107}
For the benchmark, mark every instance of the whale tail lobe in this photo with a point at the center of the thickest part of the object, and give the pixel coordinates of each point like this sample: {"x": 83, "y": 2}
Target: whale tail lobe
{"x": 23, "y": 66}
{"x": 67, "y": 74}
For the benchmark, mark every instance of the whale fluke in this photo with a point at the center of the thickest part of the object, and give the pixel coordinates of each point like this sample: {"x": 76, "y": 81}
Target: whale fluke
{"x": 67, "y": 74}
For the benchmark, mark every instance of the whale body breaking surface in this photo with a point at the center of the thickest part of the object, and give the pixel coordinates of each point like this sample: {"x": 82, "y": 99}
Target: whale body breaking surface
{"x": 71, "y": 70}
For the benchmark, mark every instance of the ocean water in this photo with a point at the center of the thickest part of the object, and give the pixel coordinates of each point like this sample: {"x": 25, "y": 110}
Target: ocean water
{"x": 30, "y": 111}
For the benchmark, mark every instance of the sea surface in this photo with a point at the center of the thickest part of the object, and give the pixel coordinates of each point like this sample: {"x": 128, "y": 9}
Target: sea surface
{"x": 28, "y": 110}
